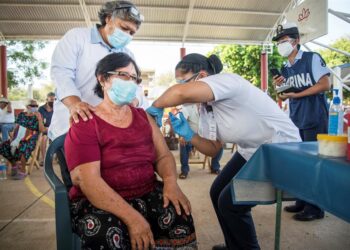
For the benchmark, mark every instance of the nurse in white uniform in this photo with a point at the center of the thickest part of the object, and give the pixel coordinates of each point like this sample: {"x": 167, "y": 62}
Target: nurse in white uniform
{"x": 234, "y": 111}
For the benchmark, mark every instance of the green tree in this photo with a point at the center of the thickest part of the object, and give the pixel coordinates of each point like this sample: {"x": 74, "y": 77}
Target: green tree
{"x": 17, "y": 94}
{"x": 40, "y": 94}
{"x": 244, "y": 60}
{"x": 23, "y": 65}
{"x": 334, "y": 58}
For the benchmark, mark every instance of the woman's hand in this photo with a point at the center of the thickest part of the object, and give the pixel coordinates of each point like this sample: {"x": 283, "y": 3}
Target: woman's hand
{"x": 140, "y": 233}
{"x": 38, "y": 116}
{"x": 290, "y": 95}
{"x": 278, "y": 80}
{"x": 182, "y": 141}
{"x": 173, "y": 193}
{"x": 81, "y": 109}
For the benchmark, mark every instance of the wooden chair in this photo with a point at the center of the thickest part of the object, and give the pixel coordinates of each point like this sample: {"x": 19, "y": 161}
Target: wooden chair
{"x": 198, "y": 160}
{"x": 33, "y": 160}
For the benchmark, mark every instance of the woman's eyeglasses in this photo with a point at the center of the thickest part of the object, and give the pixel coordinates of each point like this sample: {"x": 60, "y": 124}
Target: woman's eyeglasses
{"x": 33, "y": 105}
{"x": 188, "y": 79}
{"x": 126, "y": 76}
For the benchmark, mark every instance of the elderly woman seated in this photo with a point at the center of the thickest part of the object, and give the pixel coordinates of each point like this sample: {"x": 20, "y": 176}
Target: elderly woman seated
{"x": 19, "y": 149}
{"x": 116, "y": 200}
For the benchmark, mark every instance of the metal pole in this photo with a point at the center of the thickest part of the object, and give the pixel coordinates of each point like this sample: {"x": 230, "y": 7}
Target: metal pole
{"x": 182, "y": 52}
{"x": 3, "y": 70}
{"x": 264, "y": 72}
{"x": 331, "y": 48}
{"x": 278, "y": 219}
{"x": 341, "y": 15}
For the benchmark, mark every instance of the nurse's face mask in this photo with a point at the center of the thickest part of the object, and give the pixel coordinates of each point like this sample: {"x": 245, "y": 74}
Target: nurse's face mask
{"x": 124, "y": 29}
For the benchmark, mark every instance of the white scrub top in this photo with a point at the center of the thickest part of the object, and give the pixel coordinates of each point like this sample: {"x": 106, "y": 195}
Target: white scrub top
{"x": 247, "y": 116}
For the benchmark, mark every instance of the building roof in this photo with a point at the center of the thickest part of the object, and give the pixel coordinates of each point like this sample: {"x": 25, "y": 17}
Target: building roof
{"x": 195, "y": 21}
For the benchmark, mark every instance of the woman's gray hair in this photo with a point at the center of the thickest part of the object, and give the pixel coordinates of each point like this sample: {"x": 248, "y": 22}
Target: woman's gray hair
{"x": 110, "y": 9}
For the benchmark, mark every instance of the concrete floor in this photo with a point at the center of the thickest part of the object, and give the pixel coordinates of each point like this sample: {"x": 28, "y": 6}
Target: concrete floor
{"x": 27, "y": 221}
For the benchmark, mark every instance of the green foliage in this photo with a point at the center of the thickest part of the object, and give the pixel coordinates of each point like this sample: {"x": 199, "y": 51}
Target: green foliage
{"x": 17, "y": 94}
{"x": 23, "y": 66}
{"x": 244, "y": 60}
{"x": 333, "y": 58}
{"x": 21, "y": 93}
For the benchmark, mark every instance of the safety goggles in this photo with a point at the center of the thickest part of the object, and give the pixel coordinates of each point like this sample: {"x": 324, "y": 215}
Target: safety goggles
{"x": 188, "y": 79}
{"x": 132, "y": 12}
{"x": 126, "y": 76}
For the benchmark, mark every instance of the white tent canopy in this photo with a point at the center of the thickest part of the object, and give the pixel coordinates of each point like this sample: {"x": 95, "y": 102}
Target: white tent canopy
{"x": 198, "y": 21}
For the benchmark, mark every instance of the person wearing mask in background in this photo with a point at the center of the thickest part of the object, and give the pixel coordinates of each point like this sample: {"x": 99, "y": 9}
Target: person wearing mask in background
{"x": 307, "y": 72}
{"x": 19, "y": 149}
{"x": 191, "y": 113}
{"x": 76, "y": 55}
{"x": 7, "y": 118}
{"x": 235, "y": 111}
{"x": 46, "y": 112}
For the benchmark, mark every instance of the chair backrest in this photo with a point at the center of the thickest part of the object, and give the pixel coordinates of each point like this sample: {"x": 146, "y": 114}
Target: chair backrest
{"x": 65, "y": 238}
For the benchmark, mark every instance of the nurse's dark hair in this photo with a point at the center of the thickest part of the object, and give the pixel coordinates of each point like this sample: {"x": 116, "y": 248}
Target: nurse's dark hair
{"x": 196, "y": 62}
{"x": 110, "y": 9}
{"x": 112, "y": 62}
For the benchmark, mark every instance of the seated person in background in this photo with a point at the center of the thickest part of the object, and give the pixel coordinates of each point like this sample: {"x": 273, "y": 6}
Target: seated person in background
{"x": 18, "y": 150}
{"x": 116, "y": 200}
{"x": 46, "y": 112}
{"x": 7, "y": 118}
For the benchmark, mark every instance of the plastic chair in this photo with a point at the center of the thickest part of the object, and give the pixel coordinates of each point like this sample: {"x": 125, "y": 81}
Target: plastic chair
{"x": 65, "y": 238}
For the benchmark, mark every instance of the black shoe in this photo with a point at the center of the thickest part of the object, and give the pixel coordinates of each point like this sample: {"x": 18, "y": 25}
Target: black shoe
{"x": 215, "y": 171}
{"x": 220, "y": 247}
{"x": 182, "y": 176}
{"x": 293, "y": 209}
{"x": 307, "y": 216}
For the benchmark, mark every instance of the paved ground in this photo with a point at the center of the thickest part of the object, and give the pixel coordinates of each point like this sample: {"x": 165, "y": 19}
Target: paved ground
{"x": 27, "y": 222}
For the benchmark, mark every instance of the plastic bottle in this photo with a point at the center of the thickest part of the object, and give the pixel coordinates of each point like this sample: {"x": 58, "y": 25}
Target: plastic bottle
{"x": 347, "y": 121}
{"x": 3, "y": 169}
{"x": 335, "y": 122}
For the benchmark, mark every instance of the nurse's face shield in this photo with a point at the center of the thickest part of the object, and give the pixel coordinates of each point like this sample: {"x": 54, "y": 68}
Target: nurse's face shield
{"x": 132, "y": 12}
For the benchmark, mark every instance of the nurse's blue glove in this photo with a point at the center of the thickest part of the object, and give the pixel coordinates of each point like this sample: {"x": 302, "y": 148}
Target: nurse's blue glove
{"x": 181, "y": 126}
{"x": 156, "y": 113}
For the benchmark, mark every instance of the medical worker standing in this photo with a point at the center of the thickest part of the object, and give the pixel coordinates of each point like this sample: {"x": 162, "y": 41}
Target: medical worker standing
{"x": 234, "y": 111}
{"x": 76, "y": 55}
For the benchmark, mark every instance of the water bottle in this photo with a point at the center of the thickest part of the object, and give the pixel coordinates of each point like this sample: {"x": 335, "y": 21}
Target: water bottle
{"x": 3, "y": 169}
{"x": 335, "y": 121}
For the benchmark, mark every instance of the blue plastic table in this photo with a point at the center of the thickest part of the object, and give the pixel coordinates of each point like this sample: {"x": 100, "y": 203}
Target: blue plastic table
{"x": 297, "y": 170}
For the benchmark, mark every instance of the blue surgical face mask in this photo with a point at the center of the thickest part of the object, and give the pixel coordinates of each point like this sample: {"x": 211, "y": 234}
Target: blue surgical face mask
{"x": 119, "y": 39}
{"x": 122, "y": 92}
{"x": 32, "y": 110}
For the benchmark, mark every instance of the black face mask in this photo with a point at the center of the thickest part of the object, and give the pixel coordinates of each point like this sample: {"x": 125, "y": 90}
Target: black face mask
{"x": 50, "y": 104}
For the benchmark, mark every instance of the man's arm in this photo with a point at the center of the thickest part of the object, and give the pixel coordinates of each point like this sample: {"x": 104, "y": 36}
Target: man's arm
{"x": 63, "y": 68}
